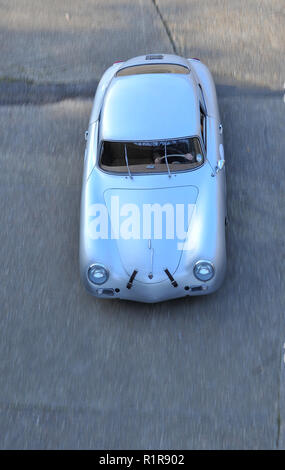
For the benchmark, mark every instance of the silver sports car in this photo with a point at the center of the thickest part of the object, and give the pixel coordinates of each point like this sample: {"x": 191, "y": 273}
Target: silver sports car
{"x": 153, "y": 207}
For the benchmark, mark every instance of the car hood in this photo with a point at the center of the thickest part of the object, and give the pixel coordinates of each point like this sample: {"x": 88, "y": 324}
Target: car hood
{"x": 142, "y": 245}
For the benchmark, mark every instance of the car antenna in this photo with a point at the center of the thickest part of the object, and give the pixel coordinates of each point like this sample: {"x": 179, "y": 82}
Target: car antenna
{"x": 166, "y": 161}
{"x": 127, "y": 163}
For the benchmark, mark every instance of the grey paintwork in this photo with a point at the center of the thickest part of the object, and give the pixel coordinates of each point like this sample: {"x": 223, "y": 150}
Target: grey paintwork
{"x": 204, "y": 186}
{"x": 148, "y": 101}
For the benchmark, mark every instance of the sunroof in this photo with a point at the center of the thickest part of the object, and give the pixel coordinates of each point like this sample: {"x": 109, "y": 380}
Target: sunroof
{"x": 152, "y": 68}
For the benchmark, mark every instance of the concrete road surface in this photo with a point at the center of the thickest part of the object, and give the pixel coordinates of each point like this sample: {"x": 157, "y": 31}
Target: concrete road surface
{"x": 77, "y": 372}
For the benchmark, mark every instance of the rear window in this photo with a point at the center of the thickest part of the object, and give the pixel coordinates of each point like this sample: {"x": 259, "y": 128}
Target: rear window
{"x": 158, "y": 156}
{"x": 152, "y": 68}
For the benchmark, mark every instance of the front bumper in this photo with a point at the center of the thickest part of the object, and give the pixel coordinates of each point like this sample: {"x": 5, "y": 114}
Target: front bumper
{"x": 154, "y": 292}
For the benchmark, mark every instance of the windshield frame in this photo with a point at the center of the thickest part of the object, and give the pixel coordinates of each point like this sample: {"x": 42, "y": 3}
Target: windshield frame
{"x": 149, "y": 68}
{"x": 146, "y": 173}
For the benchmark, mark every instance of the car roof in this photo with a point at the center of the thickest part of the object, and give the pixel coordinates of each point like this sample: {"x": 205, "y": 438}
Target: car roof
{"x": 150, "y": 107}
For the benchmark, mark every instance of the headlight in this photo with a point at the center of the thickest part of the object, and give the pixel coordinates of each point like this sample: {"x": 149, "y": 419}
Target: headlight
{"x": 204, "y": 270}
{"x": 97, "y": 274}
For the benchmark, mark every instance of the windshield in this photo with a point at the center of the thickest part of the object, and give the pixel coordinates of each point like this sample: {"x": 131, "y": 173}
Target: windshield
{"x": 152, "y": 157}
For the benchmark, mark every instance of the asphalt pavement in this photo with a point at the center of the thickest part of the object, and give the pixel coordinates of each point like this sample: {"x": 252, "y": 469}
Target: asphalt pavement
{"x": 76, "y": 372}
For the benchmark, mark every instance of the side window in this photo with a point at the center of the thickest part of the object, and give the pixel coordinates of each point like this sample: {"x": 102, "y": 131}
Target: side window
{"x": 203, "y": 114}
{"x": 202, "y": 99}
{"x": 203, "y": 125}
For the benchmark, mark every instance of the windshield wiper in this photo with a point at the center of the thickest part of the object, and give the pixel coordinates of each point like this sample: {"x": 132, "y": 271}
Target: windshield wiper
{"x": 166, "y": 161}
{"x": 127, "y": 163}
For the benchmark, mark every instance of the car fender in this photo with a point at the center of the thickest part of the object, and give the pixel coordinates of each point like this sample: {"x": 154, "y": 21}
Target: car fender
{"x": 91, "y": 149}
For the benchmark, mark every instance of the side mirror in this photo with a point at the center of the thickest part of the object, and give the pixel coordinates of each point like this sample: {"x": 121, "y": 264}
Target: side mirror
{"x": 220, "y": 165}
{"x": 221, "y": 161}
{"x": 86, "y": 135}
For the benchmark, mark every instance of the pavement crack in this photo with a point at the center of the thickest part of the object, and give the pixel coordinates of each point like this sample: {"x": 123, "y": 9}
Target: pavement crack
{"x": 166, "y": 27}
